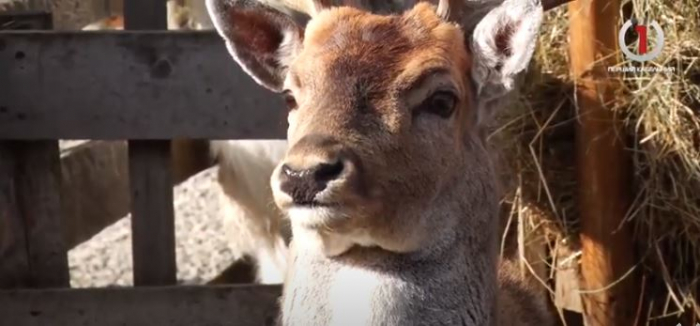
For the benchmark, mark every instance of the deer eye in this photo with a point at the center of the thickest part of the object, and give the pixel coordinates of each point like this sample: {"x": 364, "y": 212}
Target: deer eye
{"x": 441, "y": 103}
{"x": 289, "y": 100}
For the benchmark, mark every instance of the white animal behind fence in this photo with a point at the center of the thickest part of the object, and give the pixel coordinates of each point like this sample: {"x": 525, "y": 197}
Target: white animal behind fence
{"x": 253, "y": 224}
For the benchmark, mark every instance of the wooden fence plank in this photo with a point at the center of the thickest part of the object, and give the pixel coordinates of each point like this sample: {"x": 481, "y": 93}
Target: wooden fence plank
{"x": 34, "y": 211}
{"x": 14, "y": 269}
{"x": 130, "y": 85}
{"x": 152, "y": 213}
{"x": 94, "y": 188}
{"x": 242, "y": 305}
{"x": 609, "y": 287}
{"x": 37, "y": 186}
{"x": 145, "y": 15}
{"x": 150, "y": 172}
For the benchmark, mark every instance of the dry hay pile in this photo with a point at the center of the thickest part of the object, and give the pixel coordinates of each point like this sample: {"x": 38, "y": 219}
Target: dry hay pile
{"x": 662, "y": 115}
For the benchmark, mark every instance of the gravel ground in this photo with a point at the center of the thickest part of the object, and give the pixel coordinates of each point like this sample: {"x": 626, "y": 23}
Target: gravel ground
{"x": 202, "y": 252}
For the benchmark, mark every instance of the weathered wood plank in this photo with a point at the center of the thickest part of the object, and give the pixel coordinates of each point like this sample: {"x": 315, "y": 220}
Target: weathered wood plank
{"x": 32, "y": 249}
{"x": 34, "y": 211}
{"x": 94, "y": 188}
{"x": 129, "y": 85}
{"x": 609, "y": 288}
{"x": 37, "y": 185}
{"x": 240, "y": 305}
{"x": 14, "y": 269}
{"x": 150, "y": 172}
{"x": 145, "y": 15}
{"x": 152, "y": 213}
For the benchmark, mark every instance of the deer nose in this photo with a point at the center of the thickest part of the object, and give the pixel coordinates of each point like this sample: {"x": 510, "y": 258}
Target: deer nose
{"x": 304, "y": 184}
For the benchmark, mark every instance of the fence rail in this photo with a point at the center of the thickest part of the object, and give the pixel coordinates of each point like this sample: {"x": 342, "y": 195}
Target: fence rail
{"x": 129, "y": 85}
{"x": 239, "y": 305}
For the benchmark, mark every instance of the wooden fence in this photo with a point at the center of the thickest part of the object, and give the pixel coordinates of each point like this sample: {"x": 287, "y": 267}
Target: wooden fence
{"x": 149, "y": 87}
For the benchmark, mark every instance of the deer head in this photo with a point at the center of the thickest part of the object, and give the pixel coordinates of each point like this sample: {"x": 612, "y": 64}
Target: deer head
{"x": 385, "y": 112}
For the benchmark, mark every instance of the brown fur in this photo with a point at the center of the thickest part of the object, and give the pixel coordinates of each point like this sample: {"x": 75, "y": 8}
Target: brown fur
{"x": 355, "y": 96}
{"x": 520, "y": 300}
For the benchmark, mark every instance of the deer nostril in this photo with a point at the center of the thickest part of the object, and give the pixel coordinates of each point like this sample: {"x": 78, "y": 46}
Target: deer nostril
{"x": 304, "y": 185}
{"x": 327, "y": 172}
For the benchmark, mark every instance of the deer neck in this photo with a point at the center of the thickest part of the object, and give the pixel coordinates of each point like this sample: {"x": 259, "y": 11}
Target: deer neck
{"x": 452, "y": 283}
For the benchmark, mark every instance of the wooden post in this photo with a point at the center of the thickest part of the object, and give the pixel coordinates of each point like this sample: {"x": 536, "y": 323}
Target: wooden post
{"x": 152, "y": 213}
{"x": 239, "y": 305}
{"x": 609, "y": 293}
{"x": 150, "y": 171}
{"x": 37, "y": 186}
{"x": 33, "y": 252}
{"x": 145, "y": 15}
{"x": 14, "y": 270}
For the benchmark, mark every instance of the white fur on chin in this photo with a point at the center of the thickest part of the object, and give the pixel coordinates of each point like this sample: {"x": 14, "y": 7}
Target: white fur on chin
{"x": 310, "y": 233}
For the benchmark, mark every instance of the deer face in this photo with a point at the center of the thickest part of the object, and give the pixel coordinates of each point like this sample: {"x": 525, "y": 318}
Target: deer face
{"x": 384, "y": 115}
{"x": 377, "y": 109}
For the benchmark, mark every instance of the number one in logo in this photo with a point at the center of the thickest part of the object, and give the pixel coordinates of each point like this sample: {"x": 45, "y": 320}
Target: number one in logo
{"x": 642, "y": 32}
{"x": 643, "y": 53}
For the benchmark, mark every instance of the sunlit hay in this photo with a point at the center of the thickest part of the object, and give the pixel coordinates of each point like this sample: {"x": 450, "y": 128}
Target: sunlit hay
{"x": 661, "y": 114}
{"x": 665, "y": 123}
{"x": 535, "y": 138}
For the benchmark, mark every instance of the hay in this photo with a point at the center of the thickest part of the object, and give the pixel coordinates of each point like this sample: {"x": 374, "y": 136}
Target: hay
{"x": 662, "y": 116}
{"x": 536, "y": 137}
{"x": 665, "y": 122}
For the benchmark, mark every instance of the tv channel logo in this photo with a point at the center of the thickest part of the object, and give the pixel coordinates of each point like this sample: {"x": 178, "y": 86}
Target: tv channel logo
{"x": 642, "y": 53}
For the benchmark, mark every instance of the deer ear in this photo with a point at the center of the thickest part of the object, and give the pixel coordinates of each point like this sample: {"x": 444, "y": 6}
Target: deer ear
{"x": 502, "y": 45}
{"x": 262, "y": 40}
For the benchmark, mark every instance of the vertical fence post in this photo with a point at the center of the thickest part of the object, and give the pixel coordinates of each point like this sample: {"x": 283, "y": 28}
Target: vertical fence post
{"x": 37, "y": 188}
{"x": 33, "y": 252}
{"x": 150, "y": 171}
{"x": 14, "y": 270}
{"x": 609, "y": 296}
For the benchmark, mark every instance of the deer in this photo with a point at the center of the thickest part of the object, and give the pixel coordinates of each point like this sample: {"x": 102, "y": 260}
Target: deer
{"x": 388, "y": 185}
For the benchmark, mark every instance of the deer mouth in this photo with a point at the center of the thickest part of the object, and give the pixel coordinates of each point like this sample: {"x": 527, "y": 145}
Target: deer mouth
{"x": 321, "y": 216}
{"x": 314, "y": 204}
